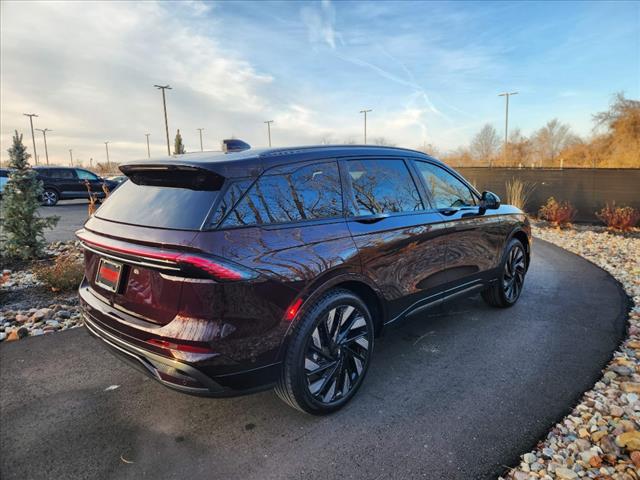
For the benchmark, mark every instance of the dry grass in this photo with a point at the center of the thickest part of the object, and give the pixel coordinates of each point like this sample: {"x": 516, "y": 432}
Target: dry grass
{"x": 557, "y": 213}
{"x": 619, "y": 218}
{"x": 65, "y": 274}
{"x": 518, "y": 192}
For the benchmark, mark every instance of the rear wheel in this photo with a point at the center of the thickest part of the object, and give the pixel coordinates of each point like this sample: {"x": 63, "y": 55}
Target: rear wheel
{"x": 507, "y": 290}
{"x": 329, "y": 354}
{"x": 50, "y": 197}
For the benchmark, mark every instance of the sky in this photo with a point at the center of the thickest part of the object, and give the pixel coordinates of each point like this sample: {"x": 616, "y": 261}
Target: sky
{"x": 430, "y": 72}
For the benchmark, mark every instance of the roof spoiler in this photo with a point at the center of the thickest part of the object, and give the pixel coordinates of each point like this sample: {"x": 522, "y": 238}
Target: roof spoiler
{"x": 230, "y": 145}
{"x": 177, "y": 176}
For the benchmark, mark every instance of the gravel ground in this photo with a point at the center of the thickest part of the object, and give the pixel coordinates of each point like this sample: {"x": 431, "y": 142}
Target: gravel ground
{"x": 601, "y": 437}
{"x": 30, "y": 309}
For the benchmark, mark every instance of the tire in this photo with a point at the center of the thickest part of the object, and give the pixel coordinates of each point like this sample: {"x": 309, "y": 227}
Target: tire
{"x": 506, "y": 292}
{"x": 328, "y": 355}
{"x": 50, "y": 197}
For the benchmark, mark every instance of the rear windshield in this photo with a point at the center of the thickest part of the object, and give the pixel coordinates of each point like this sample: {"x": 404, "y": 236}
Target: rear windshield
{"x": 174, "y": 207}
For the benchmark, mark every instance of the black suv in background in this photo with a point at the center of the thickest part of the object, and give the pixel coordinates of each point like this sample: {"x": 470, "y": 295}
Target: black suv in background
{"x": 66, "y": 183}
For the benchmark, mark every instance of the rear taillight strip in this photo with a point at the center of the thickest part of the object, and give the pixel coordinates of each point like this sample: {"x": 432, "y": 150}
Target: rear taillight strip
{"x": 171, "y": 260}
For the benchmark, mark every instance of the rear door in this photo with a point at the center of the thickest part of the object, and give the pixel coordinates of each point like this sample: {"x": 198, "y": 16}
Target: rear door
{"x": 401, "y": 240}
{"x": 475, "y": 237}
{"x": 65, "y": 181}
{"x": 85, "y": 178}
{"x": 158, "y": 210}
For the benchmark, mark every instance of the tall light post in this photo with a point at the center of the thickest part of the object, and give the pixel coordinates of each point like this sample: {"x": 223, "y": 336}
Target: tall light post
{"x": 269, "y": 122}
{"x": 44, "y": 134}
{"x": 71, "y": 156}
{"x": 33, "y": 137}
{"x": 506, "y": 95}
{"x": 106, "y": 147}
{"x": 148, "y": 149}
{"x": 164, "y": 105}
{"x": 200, "y": 130}
{"x": 365, "y": 124}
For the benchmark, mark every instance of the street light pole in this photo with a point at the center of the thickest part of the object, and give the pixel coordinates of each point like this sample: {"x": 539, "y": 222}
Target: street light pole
{"x": 106, "y": 146}
{"x": 506, "y": 124}
{"x": 200, "y": 130}
{"x": 269, "y": 122}
{"x": 166, "y": 122}
{"x": 71, "y": 156}
{"x": 44, "y": 134}
{"x": 365, "y": 124}
{"x": 148, "y": 149}
{"x": 33, "y": 137}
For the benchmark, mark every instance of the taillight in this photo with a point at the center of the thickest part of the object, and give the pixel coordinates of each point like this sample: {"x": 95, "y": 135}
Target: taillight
{"x": 180, "y": 347}
{"x": 195, "y": 264}
{"x": 216, "y": 268}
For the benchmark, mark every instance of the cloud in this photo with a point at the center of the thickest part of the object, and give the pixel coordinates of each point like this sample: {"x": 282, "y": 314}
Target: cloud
{"x": 320, "y": 20}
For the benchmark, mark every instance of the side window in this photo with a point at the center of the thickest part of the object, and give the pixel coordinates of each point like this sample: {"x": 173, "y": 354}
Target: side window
{"x": 232, "y": 194}
{"x": 84, "y": 175}
{"x": 309, "y": 193}
{"x": 383, "y": 186}
{"x": 63, "y": 173}
{"x": 445, "y": 189}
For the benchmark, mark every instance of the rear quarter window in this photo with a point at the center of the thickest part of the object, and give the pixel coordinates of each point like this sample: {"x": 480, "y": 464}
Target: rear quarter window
{"x": 311, "y": 192}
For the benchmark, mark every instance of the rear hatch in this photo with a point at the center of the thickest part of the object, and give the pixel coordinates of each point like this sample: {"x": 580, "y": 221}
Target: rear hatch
{"x": 138, "y": 245}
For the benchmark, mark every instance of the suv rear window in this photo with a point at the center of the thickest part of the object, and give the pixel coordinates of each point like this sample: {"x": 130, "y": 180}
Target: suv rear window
{"x": 311, "y": 192}
{"x": 174, "y": 200}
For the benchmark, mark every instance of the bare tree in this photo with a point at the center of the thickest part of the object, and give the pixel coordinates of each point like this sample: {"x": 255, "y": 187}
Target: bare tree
{"x": 382, "y": 141}
{"x": 551, "y": 139}
{"x": 485, "y": 144}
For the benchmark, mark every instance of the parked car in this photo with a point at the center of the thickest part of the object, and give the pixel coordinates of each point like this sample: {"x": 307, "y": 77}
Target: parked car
{"x": 4, "y": 178}
{"x": 224, "y": 274}
{"x": 65, "y": 183}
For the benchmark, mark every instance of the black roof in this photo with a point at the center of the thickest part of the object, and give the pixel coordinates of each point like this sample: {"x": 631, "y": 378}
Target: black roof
{"x": 253, "y": 162}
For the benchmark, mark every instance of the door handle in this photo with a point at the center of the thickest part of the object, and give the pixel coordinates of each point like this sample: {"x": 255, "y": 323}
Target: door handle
{"x": 368, "y": 219}
{"x": 448, "y": 211}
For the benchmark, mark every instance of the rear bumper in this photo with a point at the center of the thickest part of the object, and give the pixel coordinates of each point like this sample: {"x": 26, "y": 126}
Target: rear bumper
{"x": 173, "y": 373}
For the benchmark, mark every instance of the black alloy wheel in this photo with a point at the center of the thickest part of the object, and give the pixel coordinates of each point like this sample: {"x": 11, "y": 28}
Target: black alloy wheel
{"x": 330, "y": 354}
{"x": 508, "y": 288}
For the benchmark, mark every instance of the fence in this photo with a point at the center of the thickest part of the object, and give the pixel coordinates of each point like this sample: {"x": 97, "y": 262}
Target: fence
{"x": 587, "y": 189}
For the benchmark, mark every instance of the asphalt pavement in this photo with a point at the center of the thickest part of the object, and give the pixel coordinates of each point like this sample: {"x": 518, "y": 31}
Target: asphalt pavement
{"x": 455, "y": 393}
{"x": 72, "y": 215}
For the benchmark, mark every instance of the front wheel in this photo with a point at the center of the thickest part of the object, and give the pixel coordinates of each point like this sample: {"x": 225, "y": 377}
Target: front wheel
{"x": 506, "y": 292}
{"x": 329, "y": 354}
{"x": 50, "y": 197}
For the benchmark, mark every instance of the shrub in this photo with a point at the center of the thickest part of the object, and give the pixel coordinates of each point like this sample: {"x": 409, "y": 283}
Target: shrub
{"x": 557, "y": 213}
{"x": 619, "y": 218}
{"x": 518, "y": 192}
{"x": 65, "y": 273}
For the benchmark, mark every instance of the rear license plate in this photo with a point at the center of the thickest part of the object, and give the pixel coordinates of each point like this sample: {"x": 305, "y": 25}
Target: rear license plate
{"x": 109, "y": 275}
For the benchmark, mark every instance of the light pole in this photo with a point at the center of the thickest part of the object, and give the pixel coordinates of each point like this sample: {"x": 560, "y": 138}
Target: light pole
{"x": 71, "y": 156}
{"x": 269, "y": 122}
{"x": 44, "y": 134}
{"x": 33, "y": 137}
{"x": 506, "y": 95}
{"x": 365, "y": 124}
{"x": 106, "y": 147}
{"x": 200, "y": 130}
{"x": 148, "y": 149}
{"x": 164, "y": 105}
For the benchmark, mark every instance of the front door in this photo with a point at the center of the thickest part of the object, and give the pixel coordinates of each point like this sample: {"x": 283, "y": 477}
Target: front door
{"x": 401, "y": 241}
{"x": 474, "y": 239}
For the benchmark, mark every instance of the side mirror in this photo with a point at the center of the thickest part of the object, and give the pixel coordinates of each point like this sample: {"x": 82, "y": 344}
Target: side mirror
{"x": 489, "y": 201}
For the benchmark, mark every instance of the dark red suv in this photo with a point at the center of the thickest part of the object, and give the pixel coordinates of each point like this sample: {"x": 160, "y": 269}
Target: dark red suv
{"x": 220, "y": 274}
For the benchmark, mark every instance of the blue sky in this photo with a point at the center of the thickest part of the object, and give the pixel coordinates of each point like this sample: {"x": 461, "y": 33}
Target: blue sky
{"x": 430, "y": 71}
